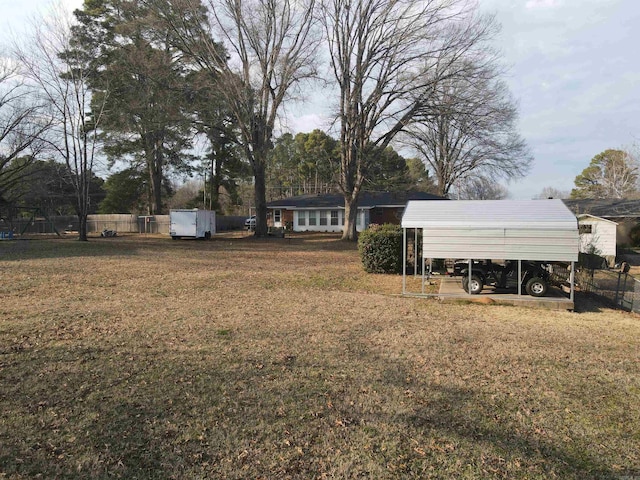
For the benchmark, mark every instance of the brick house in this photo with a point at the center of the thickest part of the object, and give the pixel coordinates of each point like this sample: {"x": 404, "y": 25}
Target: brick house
{"x": 325, "y": 212}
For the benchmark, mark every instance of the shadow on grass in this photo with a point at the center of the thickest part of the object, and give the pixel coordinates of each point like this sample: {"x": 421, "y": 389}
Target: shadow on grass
{"x": 28, "y": 249}
{"x": 78, "y": 412}
{"x": 502, "y": 443}
{"x": 126, "y": 245}
{"x": 585, "y": 302}
{"x": 493, "y": 429}
{"x": 303, "y": 241}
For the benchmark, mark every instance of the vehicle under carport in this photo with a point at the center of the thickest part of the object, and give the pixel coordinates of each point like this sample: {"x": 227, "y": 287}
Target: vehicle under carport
{"x": 516, "y": 230}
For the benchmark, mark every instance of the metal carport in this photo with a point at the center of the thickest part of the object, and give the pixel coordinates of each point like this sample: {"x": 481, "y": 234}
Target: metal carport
{"x": 534, "y": 230}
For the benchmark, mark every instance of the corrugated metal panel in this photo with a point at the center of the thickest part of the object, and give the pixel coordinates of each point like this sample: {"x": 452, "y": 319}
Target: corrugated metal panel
{"x": 551, "y": 248}
{"x": 542, "y": 230}
{"x": 547, "y": 214}
{"x": 469, "y": 233}
{"x": 538, "y": 233}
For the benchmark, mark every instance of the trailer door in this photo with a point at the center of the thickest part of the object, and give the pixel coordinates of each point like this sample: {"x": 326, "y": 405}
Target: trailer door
{"x": 183, "y": 224}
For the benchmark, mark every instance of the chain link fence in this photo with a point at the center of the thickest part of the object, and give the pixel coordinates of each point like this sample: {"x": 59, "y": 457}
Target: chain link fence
{"x": 618, "y": 288}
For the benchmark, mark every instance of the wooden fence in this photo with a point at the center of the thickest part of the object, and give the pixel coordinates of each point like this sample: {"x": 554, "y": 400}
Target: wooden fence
{"x": 121, "y": 223}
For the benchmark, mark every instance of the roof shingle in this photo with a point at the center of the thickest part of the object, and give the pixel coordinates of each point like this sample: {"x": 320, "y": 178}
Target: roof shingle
{"x": 366, "y": 199}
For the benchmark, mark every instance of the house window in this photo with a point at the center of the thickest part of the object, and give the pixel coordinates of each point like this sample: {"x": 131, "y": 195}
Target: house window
{"x": 323, "y": 217}
{"x": 312, "y": 218}
{"x": 582, "y": 229}
{"x": 342, "y": 218}
{"x": 301, "y": 219}
{"x": 334, "y": 217}
{"x": 277, "y": 216}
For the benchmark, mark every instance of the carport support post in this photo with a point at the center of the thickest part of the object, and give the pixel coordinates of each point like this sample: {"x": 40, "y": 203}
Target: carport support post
{"x": 572, "y": 280}
{"x": 415, "y": 252}
{"x": 469, "y": 279}
{"x": 422, "y": 263}
{"x": 404, "y": 261}
{"x": 519, "y": 277}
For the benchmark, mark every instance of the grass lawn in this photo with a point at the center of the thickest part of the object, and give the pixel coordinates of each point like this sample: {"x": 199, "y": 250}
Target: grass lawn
{"x": 142, "y": 357}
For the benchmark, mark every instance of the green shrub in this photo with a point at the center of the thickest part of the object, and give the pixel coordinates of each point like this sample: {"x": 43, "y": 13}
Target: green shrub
{"x": 634, "y": 235}
{"x": 380, "y": 248}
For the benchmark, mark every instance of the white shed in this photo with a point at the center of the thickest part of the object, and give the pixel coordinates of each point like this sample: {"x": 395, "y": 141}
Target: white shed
{"x": 598, "y": 236}
{"x": 535, "y": 230}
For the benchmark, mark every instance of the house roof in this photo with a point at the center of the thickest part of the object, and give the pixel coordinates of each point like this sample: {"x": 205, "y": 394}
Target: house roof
{"x": 605, "y": 208}
{"x": 366, "y": 200}
{"x": 587, "y": 216}
{"x": 522, "y": 214}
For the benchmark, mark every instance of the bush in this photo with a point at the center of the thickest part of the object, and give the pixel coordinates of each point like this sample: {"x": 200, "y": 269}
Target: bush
{"x": 634, "y": 235}
{"x": 380, "y": 248}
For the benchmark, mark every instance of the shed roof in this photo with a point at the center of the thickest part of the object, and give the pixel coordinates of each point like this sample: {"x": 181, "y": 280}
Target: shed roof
{"x": 587, "y": 216}
{"x": 478, "y": 214}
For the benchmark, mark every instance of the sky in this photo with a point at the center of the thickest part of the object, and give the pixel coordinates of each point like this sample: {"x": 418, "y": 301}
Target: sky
{"x": 575, "y": 71}
{"x": 573, "y": 68}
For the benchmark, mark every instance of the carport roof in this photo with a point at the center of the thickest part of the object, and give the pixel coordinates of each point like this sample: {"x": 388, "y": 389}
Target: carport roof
{"x": 478, "y": 214}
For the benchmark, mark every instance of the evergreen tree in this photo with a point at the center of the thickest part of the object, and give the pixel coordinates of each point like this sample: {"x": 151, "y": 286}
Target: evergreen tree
{"x": 141, "y": 79}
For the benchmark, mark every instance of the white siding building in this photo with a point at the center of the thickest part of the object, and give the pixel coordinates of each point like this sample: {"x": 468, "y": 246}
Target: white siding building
{"x": 598, "y": 236}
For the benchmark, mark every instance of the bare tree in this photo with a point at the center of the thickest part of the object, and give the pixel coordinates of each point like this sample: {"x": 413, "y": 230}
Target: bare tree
{"x": 268, "y": 48}
{"x": 387, "y": 57}
{"x": 610, "y": 174}
{"x": 468, "y": 129}
{"x": 479, "y": 188}
{"x": 23, "y": 121}
{"x": 551, "y": 192}
{"x": 59, "y": 72}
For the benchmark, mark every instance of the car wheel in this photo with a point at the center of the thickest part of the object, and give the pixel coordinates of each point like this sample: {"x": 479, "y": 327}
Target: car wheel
{"x": 476, "y": 284}
{"x": 536, "y": 287}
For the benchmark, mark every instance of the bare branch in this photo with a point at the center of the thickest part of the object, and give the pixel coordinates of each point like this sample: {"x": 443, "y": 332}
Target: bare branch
{"x": 388, "y": 57}
{"x": 59, "y": 76}
{"x": 272, "y": 46}
{"x": 23, "y": 122}
{"x": 468, "y": 128}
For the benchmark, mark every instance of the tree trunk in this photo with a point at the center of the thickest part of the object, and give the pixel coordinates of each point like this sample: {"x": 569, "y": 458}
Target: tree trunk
{"x": 81, "y": 186}
{"x": 155, "y": 161}
{"x": 216, "y": 181}
{"x": 82, "y": 228}
{"x": 349, "y": 232}
{"x": 156, "y": 192}
{"x": 261, "y": 198}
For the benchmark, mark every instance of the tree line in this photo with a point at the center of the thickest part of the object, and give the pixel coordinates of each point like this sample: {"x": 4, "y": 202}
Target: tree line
{"x": 142, "y": 83}
{"x": 612, "y": 174}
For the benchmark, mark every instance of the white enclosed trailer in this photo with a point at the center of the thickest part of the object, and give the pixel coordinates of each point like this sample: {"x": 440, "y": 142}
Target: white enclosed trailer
{"x": 192, "y": 223}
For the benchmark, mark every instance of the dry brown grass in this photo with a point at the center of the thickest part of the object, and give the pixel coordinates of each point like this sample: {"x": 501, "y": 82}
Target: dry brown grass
{"x": 139, "y": 357}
